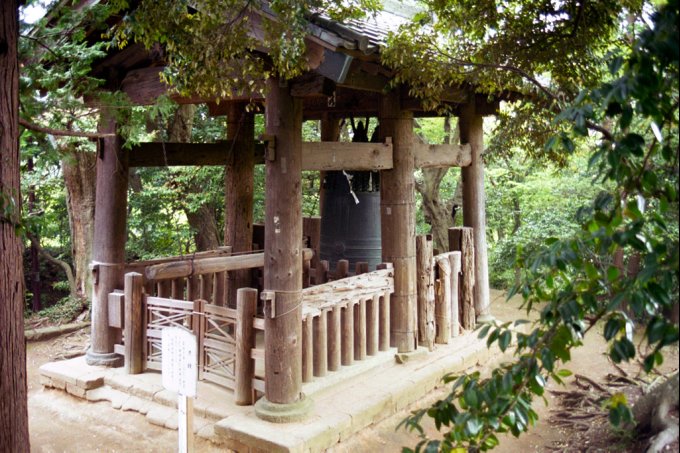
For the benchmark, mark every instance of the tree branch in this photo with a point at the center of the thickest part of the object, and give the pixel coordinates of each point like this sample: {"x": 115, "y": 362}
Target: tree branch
{"x": 63, "y": 264}
{"x": 61, "y": 132}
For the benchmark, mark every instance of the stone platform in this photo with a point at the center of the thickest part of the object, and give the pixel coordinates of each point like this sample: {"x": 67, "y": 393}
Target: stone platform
{"x": 345, "y": 402}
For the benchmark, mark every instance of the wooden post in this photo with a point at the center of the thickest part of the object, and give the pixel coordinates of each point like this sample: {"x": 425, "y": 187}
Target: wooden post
{"x": 361, "y": 267}
{"x": 471, "y": 127}
{"x": 108, "y": 251}
{"x": 165, "y": 288}
{"x": 373, "y": 325}
{"x": 178, "y": 288}
{"x": 307, "y": 349}
{"x": 134, "y": 327}
{"x": 443, "y": 302}
{"x": 461, "y": 239}
{"x": 348, "y": 334}
{"x": 283, "y": 251}
{"x": 334, "y": 339}
{"x": 311, "y": 226}
{"x": 238, "y": 191}
{"x": 306, "y": 266}
{"x": 425, "y": 281}
{"x": 397, "y": 217}
{"x": 321, "y": 273}
{"x": 454, "y": 262}
{"x": 320, "y": 345}
{"x": 341, "y": 269}
{"x": 360, "y": 330}
{"x": 246, "y": 306}
{"x": 384, "y": 327}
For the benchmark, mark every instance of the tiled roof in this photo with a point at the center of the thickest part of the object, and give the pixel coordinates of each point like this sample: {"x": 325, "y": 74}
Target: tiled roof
{"x": 367, "y": 34}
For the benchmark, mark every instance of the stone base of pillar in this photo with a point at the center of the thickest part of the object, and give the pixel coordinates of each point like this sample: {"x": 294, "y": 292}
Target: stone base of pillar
{"x": 109, "y": 359}
{"x": 284, "y": 413}
{"x": 485, "y": 319}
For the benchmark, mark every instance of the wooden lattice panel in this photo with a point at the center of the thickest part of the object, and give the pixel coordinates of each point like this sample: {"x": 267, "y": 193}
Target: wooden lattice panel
{"x": 218, "y": 345}
{"x": 161, "y": 313}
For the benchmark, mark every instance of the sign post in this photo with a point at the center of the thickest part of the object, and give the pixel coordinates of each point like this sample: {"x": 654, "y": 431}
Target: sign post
{"x": 180, "y": 374}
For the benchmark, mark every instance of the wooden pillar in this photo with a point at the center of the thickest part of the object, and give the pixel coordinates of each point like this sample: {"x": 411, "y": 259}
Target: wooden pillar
{"x": 425, "y": 282}
{"x": 471, "y": 127}
{"x": 398, "y": 221}
{"x": 108, "y": 251}
{"x": 238, "y": 192}
{"x": 283, "y": 250}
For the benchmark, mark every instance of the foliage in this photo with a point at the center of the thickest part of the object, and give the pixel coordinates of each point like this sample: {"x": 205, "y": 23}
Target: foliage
{"x": 571, "y": 281}
{"x": 65, "y": 310}
{"x": 199, "y": 39}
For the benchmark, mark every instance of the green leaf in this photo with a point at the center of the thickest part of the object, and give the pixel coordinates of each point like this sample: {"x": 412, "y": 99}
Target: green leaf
{"x": 504, "y": 340}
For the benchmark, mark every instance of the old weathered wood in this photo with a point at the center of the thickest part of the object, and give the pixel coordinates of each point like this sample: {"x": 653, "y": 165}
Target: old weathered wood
{"x": 341, "y": 269}
{"x": 397, "y": 220}
{"x": 328, "y": 156}
{"x": 425, "y": 281}
{"x": 246, "y": 306}
{"x": 471, "y": 126}
{"x": 347, "y": 357}
{"x": 139, "y": 266}
{"x": 443, "y": 300}
{"x": 384, "y": 327}
{"x": 108, "y": 254}
{"x": 334, "y": 338}
{"x": 307, "y": 349}
{"x": 164, "y": 288}
{"x": 178, "y": 288}
{"x": 361, "y": 267}
{"x": 311, "y": 229}
{"x": 283, "y": 251}
{"x": 193, "y": 287}
{"x": 116, "y": 308}
{"x": 372, "y": 325}
{"x": 185, "y": 268}
{"x": 360, "y": 330}
{"x": 446, "y": 155}
{"x": 134, "y": 327}
{"x": 454, "y": 261}
{"x": 306, "y": 267}
{"x": 206, "y": 285}
{"x": 198, "y": 326}
{"x": 321, "y": 344}
{"x": 352, "y": 288}
{"x": 168, "y": 154}
{"x": 321, "y": 274}
{"x": 239, "y": 191}
{"x": 461, "y": 239}
{"x": 317, "y": 156}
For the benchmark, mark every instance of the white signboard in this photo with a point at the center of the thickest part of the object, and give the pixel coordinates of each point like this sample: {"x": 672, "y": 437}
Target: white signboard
{"x": 179, "y": 361}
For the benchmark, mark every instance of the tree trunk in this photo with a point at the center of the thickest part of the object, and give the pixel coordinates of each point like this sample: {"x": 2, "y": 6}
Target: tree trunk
{"x": 80, "y": 180}
{"x": 35, "y": 264}
{"x": 13, "y": 390}
{"x": 202, "y": 220}
{"x": 437, "y": 211}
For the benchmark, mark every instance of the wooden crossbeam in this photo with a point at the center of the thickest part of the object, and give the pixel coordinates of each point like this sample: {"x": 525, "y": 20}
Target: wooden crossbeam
{"x": 318, "y": 156}
{"x": 428, "y": 156}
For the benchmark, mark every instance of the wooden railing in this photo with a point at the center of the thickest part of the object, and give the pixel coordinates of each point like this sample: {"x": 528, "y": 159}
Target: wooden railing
{"x": 226, "y": 337}
{"x": 445, "y": 283}
{"x": 200, "y": 276}
{"x": 345, "y": 320}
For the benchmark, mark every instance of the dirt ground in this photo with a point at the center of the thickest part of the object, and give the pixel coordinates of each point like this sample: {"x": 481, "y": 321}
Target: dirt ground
{"x": 62, "y": 423}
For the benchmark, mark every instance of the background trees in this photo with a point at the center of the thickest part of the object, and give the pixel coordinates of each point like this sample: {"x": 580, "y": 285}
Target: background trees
{"x": 573, "y": 281}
